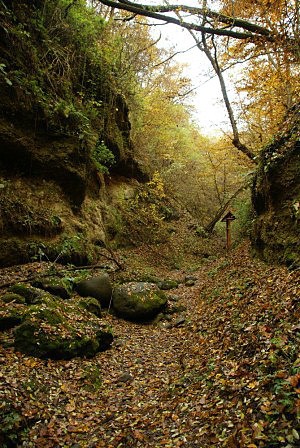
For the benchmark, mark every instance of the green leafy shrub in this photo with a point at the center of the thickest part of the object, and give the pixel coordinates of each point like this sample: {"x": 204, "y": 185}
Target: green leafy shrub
{"x": 244, "y": 215}
{"x": 11, "y": 425}
{"x": 63, "y": 68}
{"x": 103, "y": 157}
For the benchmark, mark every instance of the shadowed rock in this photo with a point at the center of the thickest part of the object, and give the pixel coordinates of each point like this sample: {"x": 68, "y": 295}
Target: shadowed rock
{"x": 98, "y": 287}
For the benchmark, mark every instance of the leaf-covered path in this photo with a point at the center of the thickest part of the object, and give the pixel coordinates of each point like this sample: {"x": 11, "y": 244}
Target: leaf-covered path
{"x": 226, "y": 377}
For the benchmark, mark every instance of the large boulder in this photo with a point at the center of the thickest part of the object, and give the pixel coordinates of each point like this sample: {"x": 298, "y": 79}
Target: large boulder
{"x": 61, "y": 330}
{"x": 11, "y": 314}
{"x": 138, "y": 301}
{"x": 98, "y": 287}
{"x": 54, "y": 286}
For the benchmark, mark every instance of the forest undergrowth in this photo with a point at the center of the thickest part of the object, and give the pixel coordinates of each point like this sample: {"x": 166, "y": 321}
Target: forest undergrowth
{"x": 228, "y": 375}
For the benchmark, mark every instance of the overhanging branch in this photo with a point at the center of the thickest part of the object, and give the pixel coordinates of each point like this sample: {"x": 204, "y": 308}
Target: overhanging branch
{"x": 205, "y": 12}
{"x": 149, "y": 11}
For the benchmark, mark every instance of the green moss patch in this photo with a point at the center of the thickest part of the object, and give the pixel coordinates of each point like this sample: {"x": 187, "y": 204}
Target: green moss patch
{"x": 61, "y": 330}
{"x": 11, "y": 314}
{"x": 30, "y": 294}
{"x": 138, "y": 301}
{"x": 91, "y": 305}
{"x": 12, "y": 297}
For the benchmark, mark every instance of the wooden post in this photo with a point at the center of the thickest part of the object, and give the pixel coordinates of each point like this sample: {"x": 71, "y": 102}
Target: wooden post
{"x": 228, "y": 218}
{"x": 228, "y": 236}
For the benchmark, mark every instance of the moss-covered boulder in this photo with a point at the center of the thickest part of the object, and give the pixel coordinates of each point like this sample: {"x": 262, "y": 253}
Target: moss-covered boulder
{"x": 53, "y": 285}
{"x": 167, "y": 284}
{"x": 11, "y": 314}
{"x": 10, "y": 297}
{"x": 60, "y": 330}
{"x": 98, "y": 287}
{"x": 276, "y": 197}
{"x": 138, "y": 301}
{"x": 30, "y": 294}
{"x": 91, "y": 305}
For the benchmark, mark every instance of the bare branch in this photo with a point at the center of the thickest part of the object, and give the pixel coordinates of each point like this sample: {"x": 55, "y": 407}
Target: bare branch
{"x": 211, "y": 225}
{"x": 148, "y": 12}
{"x": 213, "y": 59}
{"x": 173, "y": 55}
{"x": 206, "y": 13}
{"x": 219, "y": 24}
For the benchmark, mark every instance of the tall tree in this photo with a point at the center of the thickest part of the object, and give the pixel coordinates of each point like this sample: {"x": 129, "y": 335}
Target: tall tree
{"x": 260, "y": 28}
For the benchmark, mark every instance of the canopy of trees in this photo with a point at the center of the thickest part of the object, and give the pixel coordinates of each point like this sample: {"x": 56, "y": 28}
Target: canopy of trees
{"x": 263, "y": 33}
{"x": 78, "y": 59}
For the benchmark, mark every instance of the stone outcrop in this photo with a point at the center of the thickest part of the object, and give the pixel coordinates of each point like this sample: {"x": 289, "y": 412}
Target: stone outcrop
{"x": 52, "y": 194}
{"x": 46, "y": 326}
{"x": 276, "y": 197}
{"x": 138, "y": 301}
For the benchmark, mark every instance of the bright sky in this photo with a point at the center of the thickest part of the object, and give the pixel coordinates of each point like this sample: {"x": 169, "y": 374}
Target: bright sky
{"x": 210, "y": 113}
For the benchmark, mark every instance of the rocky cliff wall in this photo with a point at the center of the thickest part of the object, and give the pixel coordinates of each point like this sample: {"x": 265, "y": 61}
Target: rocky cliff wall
{"x": 276, "y": 196}
{"x": 56, "y": 107}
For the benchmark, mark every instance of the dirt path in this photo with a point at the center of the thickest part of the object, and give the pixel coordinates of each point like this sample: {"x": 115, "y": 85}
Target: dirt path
{"x": 131, "y": 395}
{"x": 150, "y": 407}
{"x": 228, "y": 377}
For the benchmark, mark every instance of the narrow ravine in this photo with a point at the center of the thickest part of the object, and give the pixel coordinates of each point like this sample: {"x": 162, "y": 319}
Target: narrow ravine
{"x": 226, "y": 376}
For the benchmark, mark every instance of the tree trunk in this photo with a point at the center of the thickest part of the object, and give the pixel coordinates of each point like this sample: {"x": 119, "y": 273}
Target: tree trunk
{"x": 210, "y": 227}
{"x": 214, "y": 62}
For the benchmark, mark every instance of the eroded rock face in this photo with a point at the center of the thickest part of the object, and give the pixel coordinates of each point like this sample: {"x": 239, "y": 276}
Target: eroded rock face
{"x": 38, "y": 221}
{"x": 52, "y": 195}
{"x": 138, "y": 301}
{"x": 276, "y": 198}
{"x": 46, "y": 157}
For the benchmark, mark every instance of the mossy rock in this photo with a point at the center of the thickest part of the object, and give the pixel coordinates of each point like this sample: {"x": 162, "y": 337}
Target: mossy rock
{"x": 11, "y": 314}
{"x": 61, "y": 330}
{"x": 49, "y": 312}
{"x": 31, "y": 295}
{"x": 12, "y": 297}
{"x": 91, "y": 305}
{"x": 174, "y": 308}
{"x": 7, "y": 322}
{"x": 98, "y": 287}
{"x": 189, "y": 282}
{"x": 167, "y": 284}
{"x": 138, "y": 301}
{"x": 55, "y": 286}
